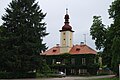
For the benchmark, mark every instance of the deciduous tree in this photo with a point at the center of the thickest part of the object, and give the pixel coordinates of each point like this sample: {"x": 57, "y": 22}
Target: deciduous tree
{"x": 98, "y": 32}
{"x": 110, "y": 41}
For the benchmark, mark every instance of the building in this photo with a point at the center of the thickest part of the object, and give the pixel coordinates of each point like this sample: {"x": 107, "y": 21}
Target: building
{"x": 72, "y": 59}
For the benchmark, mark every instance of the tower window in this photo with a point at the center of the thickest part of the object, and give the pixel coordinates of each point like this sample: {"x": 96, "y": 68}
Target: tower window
{"x": 64, "y": 39}
{"x": 64, "y": 33}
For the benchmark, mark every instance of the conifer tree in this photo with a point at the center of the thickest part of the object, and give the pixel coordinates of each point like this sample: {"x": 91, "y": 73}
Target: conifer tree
{"x": 25, "y": 30}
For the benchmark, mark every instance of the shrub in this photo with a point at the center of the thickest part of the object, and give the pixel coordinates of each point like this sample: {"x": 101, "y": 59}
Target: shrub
{"x": 15, "y": 75}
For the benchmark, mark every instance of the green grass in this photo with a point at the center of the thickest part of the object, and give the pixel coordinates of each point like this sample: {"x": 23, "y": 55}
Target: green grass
{"x": 108, "y": 79}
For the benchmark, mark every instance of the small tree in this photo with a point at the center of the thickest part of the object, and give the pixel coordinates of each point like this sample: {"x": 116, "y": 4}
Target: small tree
{"x": 98, "y": 32}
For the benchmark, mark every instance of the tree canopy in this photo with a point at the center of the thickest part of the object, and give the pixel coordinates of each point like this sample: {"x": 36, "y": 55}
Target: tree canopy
{"x": 98, "y": 31}
{"x": 21, "y": 37}
{"x": 110, "y": 41}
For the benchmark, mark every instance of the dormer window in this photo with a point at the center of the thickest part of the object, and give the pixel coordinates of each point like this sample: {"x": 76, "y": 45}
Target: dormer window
{"x": 54, "y": 50}
{"x": 77, "y": 49}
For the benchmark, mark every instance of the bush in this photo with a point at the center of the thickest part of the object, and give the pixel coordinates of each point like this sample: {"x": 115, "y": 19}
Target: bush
{"x": 93, "y": 68}
{"x": 40, "y": 75}
{"x": 105, "y": 71}
{"x": 13, "y": 75}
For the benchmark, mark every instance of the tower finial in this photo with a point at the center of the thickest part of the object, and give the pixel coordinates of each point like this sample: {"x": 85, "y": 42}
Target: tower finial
{"x": 66, "y": 17}
{"x": 66, "y": 10}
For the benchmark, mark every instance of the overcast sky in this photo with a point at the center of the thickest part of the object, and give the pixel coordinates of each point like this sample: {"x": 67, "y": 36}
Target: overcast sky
{"x": 81, "y": 15}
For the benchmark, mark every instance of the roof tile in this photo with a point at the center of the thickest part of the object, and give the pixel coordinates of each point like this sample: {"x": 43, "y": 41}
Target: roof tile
{"x": 76, "y": 49}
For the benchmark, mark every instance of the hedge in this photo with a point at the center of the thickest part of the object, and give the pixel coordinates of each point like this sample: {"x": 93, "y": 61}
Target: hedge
{"x": 16, "y": 75}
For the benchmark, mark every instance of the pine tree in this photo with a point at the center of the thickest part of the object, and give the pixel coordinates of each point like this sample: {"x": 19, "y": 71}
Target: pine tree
{"x": 3, "y": 43}
{"x": 24, "y": 35}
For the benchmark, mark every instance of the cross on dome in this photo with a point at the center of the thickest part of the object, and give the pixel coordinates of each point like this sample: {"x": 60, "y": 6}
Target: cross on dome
{"x": 66, "y": 10}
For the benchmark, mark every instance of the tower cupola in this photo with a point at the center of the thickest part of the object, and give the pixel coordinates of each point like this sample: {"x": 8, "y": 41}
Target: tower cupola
{"x": 66, "y": 26}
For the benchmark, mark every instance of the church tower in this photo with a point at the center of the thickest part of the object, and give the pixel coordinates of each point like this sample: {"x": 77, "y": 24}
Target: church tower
{"x": 66, "y": 38}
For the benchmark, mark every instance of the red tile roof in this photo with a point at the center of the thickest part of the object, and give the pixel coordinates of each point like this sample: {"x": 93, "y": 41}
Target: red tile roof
{"x": 82, "y": 49}
{"x": 76, "y": 49}
{"x": 52, "y": 51}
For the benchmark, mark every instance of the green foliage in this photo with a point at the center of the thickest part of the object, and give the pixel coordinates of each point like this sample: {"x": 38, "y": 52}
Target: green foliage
{"x": 98, "y": 32}
{"x": 12, "y": 75}
{"x": 109, "y": 39}
{"x": 115, "y": 54}
{"x": 65, "y": 55}
{"x": 66, "y": 62}
{"x": 21, "y": 37}
{"x": 114, "y": 11}
{"x": 114, "y": 33}
{"x": 45, "y": 69}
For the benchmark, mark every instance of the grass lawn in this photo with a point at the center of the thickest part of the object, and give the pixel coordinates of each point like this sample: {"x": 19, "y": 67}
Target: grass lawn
{"x": 108, "y": 79}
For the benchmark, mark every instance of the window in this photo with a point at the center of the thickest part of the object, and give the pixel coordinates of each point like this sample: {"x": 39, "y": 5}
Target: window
{"x": 53, "y": 61}
{"x": 63, "y": 61}
{"x": 72, "y": 71}
{"x": 82, "y": 71}
{"x": 73, "y": 61}
{"x": 83, "y": 61}
{"x": 58, "y": 62}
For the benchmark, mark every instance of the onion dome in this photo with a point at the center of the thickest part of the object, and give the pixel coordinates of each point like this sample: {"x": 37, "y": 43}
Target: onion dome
{"x": 66, "y": 26}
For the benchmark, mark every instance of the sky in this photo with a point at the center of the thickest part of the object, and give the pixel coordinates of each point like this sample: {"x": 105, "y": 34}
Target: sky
{"x": 81, "y": 14}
